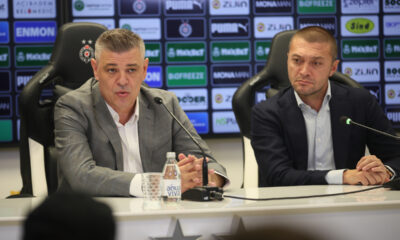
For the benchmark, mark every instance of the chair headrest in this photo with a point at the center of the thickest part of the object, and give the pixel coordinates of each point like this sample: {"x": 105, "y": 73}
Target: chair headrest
{"x": 277, "y": 60}
{"x": 72, "y": 51}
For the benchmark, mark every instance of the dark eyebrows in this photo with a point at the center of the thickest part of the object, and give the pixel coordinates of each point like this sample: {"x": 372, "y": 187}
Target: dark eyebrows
{"x": 313, "y": 58}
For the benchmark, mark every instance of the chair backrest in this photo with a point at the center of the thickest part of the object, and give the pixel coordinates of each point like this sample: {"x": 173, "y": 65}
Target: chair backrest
{"x": 274, "y": 75}
{"x": 68, "y": 68}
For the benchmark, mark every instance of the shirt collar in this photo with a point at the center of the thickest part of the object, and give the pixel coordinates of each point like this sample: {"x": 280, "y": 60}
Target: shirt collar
{"x": 327, "y": 97}
{"x": 134, "y": 117}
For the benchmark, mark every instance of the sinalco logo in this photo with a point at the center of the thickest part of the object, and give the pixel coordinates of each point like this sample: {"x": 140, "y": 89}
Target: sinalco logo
{"x": 79, "y": 5}
{"x": 360, "y": 25}
{"x": 139, "y": 6}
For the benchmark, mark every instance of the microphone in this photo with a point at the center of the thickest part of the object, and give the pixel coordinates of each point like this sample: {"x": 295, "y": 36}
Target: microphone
{"x": 393, "y": 184}
{"x": 204, "y": 193}
{"x": 347, "y": 121}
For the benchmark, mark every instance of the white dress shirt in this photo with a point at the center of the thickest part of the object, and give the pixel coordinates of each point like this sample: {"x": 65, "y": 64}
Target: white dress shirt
{"x": 319, "y": 138}
{"x": 130, "y": 148}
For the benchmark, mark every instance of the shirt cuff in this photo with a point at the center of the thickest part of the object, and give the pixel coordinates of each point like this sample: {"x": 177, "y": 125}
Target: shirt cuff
{"x": 335, "y": 176}
{"x": 392, "y": 171}
{"x": 135, "y": 189}
{"x": 226, "y": 180}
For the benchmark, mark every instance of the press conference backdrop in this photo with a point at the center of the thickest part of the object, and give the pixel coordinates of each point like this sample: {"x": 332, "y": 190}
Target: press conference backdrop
{"x": 202, "y": 50}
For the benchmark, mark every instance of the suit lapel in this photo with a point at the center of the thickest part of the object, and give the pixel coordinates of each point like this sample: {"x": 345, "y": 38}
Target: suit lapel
{"x": 293, "y": 120}
{"x": 339, "y": 106}
{"x": 106, "y": 123}
{"x": 145, "y": 131}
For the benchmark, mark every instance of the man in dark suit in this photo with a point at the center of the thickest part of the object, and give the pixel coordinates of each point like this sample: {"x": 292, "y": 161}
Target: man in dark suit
{"x": 297, "y": 136}
{"x": 111, "y": 130}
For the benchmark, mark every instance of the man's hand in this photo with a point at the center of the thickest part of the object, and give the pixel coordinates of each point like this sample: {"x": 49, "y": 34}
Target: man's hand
{"x": 355, "y": 177}
{"x": 192, "y": 175}
{"x": 369, "y": 171}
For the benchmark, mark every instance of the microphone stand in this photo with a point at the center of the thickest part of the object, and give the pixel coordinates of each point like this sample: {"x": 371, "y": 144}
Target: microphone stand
{"x": 203, "y": 193}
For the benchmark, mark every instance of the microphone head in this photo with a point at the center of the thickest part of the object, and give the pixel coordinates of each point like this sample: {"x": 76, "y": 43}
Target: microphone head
{"x": 158, "y": 100}
{"x": 345, "y": 120}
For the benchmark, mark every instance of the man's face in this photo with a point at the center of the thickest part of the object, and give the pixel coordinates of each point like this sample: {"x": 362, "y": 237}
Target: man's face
{"x": 120, "y": 76}
{"x": 309, "y": 66}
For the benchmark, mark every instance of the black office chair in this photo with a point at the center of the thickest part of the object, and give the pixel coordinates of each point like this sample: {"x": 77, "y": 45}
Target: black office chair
{"x": 275, "y": 76}
{"x": 68, "y": 68}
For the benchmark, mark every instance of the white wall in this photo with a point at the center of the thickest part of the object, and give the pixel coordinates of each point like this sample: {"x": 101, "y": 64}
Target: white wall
{"x": 227, "y": 151}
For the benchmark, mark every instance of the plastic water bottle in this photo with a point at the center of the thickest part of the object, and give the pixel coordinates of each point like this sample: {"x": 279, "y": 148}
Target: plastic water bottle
{"x": 171, "y": 179}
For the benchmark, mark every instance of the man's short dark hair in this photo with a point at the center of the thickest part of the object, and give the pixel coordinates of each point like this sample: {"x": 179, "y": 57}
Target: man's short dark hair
{"x": 67, "y": 216}
{"x": 118, "y": 40}
{"x": 317, "y": 34}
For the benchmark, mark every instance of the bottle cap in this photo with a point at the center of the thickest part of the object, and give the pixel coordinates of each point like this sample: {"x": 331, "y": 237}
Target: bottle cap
{"x": 171, "y": 155}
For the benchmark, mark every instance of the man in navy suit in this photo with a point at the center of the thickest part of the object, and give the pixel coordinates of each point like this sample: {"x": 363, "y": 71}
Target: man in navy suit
{"x": 297, "y": 136}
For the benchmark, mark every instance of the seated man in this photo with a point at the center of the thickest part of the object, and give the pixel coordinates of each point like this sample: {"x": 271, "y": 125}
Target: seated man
{"x": 110, "y": 130}
{"x": 297, "y": 136}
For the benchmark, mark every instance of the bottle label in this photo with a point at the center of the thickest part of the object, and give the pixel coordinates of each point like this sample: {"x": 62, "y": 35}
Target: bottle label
{"x": 172, "y": 188}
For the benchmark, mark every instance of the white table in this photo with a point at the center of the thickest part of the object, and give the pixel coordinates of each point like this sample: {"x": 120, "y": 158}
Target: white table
{"x": 368, "y": 215}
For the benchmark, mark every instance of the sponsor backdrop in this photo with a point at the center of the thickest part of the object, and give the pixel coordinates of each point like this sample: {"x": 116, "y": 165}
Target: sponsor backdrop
{"x": 28, "y": 29}
{"x": 202, "y": 50}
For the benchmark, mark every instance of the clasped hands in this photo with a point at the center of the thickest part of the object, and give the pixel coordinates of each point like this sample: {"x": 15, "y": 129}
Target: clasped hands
{"x": 369, "y": 171}
{"x": 192, "y": 175}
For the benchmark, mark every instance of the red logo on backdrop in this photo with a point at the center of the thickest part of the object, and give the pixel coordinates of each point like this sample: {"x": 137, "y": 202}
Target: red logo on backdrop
{"x": 86, "y": 52}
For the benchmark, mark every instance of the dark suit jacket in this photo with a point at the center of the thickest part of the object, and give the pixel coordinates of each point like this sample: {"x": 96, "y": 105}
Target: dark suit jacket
{"x": 89, "y": 146}
{"x": 279, "y": 136}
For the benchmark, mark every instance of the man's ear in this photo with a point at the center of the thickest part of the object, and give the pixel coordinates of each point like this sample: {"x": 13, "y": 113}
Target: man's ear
{"x": 334, "y": 67}
{"x": 93, "y": 62}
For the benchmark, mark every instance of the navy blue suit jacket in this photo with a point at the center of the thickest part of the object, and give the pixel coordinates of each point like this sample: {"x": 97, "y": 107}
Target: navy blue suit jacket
{"x": 279, "y": 137}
